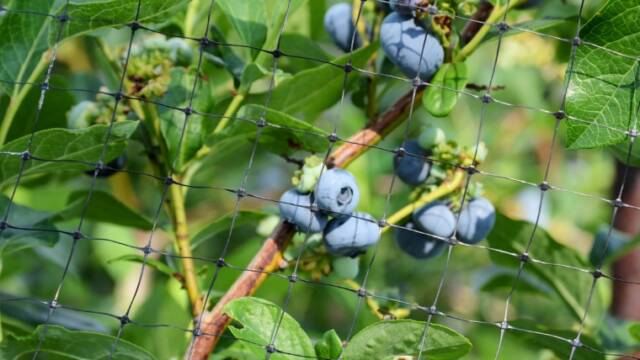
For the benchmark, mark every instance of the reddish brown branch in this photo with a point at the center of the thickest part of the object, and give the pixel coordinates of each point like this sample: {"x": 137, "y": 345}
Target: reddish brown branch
{"x": 268, "y": 258}
{"x": 626, "y": 296}
{"x": 477, "y": 20}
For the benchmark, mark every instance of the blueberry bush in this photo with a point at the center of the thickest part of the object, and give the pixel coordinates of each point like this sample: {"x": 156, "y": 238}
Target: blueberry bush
{"x": 321, "y": 179}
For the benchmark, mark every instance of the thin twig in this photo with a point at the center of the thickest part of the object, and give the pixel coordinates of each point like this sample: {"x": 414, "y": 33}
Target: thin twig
{"x": 479, "y": 87}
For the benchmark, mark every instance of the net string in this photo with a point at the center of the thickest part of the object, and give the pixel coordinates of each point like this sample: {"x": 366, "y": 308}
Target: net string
{"x": 517, "y": 27}
{"x": 485, "y": 101}
{"x": 188, "y": 112}
{"x": 362, "y": 292}
{"x": 294, "y": 275}
{"x": 94, "y": 164}
{"x": 241, "y": 193}
{"x": 453, "y": 317}
{"x": 62, "y": 19}
{"x": 544, "y": 184}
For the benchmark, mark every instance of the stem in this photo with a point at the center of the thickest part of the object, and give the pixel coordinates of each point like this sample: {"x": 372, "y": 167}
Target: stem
{"x": 176, "y": 208}
{"x": 372, "y": 104}
{"x": 18, "y": 97}
{"x": 268, "y": 258}
{"x": 496, "y": 16}
{"x": 179, "y": 218}
{"x": 444, "y": 189}
{"x": 190, "y": 18}
{"x": 231, "y": 110}
{"x": 361, "y": 26}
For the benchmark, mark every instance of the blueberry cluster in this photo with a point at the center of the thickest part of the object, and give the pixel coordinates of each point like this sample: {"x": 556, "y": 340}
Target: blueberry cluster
{"x": 436, "y": 222}
{"x": 330, "y": 208}
{"x": 408, "y": 43}
{"x": 425, "y": 235}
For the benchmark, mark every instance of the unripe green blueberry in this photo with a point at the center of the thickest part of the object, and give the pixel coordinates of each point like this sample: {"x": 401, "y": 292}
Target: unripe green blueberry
{"x": 345, "y": 267}
{"x": 305, "y": 179}
{"x": 180, "y": 53}
{"x": 431, "y": 137}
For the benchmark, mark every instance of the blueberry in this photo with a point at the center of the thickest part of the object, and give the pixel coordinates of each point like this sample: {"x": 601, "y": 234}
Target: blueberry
{"x": 337, "y": 192}
{"x": 404, "y": 7}
{"x": 418, "y": 245}
{"x": 411, "y": 167}
{"x": 529, "y": 4}
{"x": 402, "y": 39}
{"x": 431, "y": 137}
{"x": 345, "y": 267}
{"x": 351, "y": 236}
{"x": 338, "y": 22}
{"x": 435, "y": 218}
{"x": 294, "y": 208}
{"x": 476, "y": 220}
{"x": 180, "y": 53}
{"x": 111, "y": 168}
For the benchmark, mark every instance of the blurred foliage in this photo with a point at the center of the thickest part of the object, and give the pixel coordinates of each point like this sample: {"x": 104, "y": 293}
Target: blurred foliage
{"x": 305, "y": 103}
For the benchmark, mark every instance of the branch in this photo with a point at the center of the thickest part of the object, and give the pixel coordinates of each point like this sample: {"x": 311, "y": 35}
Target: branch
{"x": 626, "y": 296}
{"x": 477, "y": 20}
{"x": 179, "y": 218}
{"x": 268, "y": 258}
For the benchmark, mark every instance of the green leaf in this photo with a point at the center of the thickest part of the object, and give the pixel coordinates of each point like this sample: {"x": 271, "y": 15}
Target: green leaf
{"x": 571, "y": 286}
{"x": 441, "y": 98}
{"x": 386, "y": 340}
{"x": 13, "y": 240}
{"x": 501, "y": 280}
{"x": 34, "y": 313}
{"x": 284, "y": 135}
{"x": 301, "y": 93}
{"x": 560, "y": 348}
{"x": 104, "y": 208}
{"x": 621, "y": 152}
{"x": 222, "y": 225}
{"x": 236, "y": 350}
{"x": 603, "y": 89}
{"x": 60, "y": 343}
{"x": 248, "y": 19}
{"x": 171, "y": 121}
{"x": 154, "y": 263}
{"x": 31, "y": 35}
{"x": 83, "y": 145}
{"x": 294, "y": 43}
{"x": 330, "y": 346}
{"x": 258, "y": 318}
{"x": 634, "y": 330}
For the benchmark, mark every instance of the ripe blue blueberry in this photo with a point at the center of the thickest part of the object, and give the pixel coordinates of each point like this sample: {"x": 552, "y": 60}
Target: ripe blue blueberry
{"x": 338, "y": 23}
{"x": 402, "y": 39}
{"x": 435, "y": 218}
{"x": 404, "y": 7}
{"x": 418, "y": 245}
{"x": 294, "y": 208}
{"x": 337, "y": 192}
{"x": 476, "y": 220}
{"x": 411, "y": 167}
{"x": 351, "y": 236}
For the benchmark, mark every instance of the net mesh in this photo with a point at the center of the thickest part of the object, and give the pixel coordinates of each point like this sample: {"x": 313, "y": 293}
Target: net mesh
{"x": 431, "y": 310}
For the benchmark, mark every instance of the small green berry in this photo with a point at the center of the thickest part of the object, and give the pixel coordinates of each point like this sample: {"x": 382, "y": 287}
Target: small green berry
{"x": 431, "y": 137}
{"x": 305, "y": 179}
